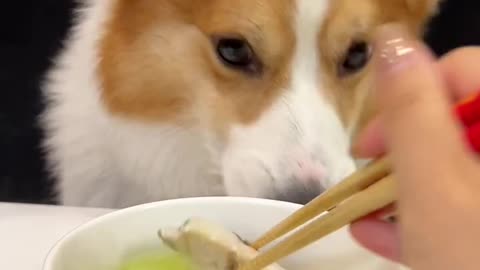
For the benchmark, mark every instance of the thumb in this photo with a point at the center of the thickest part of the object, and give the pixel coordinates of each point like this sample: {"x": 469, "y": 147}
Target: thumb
{"x": 423, "y": 137}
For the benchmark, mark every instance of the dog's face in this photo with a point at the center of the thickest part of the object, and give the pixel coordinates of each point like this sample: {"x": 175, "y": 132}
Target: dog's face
{"x": 277, "y": 89}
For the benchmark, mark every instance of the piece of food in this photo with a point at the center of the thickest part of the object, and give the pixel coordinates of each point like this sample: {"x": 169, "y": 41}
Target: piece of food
{"x": 209, "y": 245}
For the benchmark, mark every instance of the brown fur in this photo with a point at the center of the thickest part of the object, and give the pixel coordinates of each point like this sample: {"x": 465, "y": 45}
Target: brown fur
{"x": 349, "y": 21}
{"x": 158, "y": 62}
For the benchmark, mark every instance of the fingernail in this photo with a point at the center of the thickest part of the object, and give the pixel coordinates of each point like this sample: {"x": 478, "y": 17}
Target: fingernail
{"x": 390, "y": 218}
{"x": 395, "y": 49}
{"x": 389, "y": 215}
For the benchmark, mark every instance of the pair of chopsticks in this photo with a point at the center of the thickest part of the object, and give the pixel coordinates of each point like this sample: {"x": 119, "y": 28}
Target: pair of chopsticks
{"x": 366, "y": 191}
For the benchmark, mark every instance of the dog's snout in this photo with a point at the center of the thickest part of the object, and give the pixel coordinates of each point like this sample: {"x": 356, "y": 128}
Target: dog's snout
{"x": 301, "y": 193}
{"x": 306, "y": 170}
{"x": 305, "y": 178}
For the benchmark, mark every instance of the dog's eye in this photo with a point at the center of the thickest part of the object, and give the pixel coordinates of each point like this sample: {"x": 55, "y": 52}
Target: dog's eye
{"x": 237, "y": 53}
{"x": 355, "y": 59}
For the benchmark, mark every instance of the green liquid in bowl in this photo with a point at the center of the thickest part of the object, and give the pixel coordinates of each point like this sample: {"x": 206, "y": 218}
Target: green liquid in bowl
{"x": 158, "y": 261}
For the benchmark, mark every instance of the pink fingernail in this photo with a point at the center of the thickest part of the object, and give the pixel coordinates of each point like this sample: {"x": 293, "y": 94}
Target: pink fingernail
{"x": 395, "y": 49}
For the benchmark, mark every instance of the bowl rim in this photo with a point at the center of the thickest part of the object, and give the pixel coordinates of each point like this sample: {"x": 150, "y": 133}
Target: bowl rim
{"x": 52, "y": 254}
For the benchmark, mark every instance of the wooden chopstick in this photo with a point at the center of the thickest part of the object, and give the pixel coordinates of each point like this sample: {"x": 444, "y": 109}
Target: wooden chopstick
{"x": 329, "y": 199}
{"x": 366, "y": 191}
{"x": 373, "y": 198}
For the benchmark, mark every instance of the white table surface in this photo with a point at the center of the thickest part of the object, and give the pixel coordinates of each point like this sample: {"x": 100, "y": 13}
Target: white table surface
{"x": 28, "y": 232}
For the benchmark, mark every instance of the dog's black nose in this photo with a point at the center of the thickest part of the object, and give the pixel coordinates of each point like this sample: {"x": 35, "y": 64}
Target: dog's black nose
{"x": 300, "y": 193}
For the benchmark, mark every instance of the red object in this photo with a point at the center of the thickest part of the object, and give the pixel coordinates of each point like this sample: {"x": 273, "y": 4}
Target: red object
{"x": 473, "y": 136}
{"x": 468, "y": 113}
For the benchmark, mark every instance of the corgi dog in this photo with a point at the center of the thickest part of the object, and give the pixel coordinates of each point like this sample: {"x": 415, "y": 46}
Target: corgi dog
{"x": 160, "y": 99}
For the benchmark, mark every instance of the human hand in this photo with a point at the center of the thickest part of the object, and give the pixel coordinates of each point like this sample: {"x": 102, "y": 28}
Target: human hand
{"x": 439, "y": 177}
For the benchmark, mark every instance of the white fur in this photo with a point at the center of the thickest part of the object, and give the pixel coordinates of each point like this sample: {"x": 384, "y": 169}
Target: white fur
{"x": 103, "y": 161}
{"x": 301, "y": 128}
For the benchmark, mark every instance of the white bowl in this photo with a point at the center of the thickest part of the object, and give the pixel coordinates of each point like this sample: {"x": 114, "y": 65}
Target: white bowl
{"x": 105, "y": 242}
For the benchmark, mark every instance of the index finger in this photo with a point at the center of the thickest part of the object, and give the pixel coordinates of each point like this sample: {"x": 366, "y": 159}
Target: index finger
{"x": 415, "y": 110}
{"x": 460, "y": 71}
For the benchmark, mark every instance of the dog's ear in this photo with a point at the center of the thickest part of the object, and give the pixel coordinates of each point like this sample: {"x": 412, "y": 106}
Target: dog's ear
{"x": 422, "y": 9}
{"x": 413, "y": 13}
